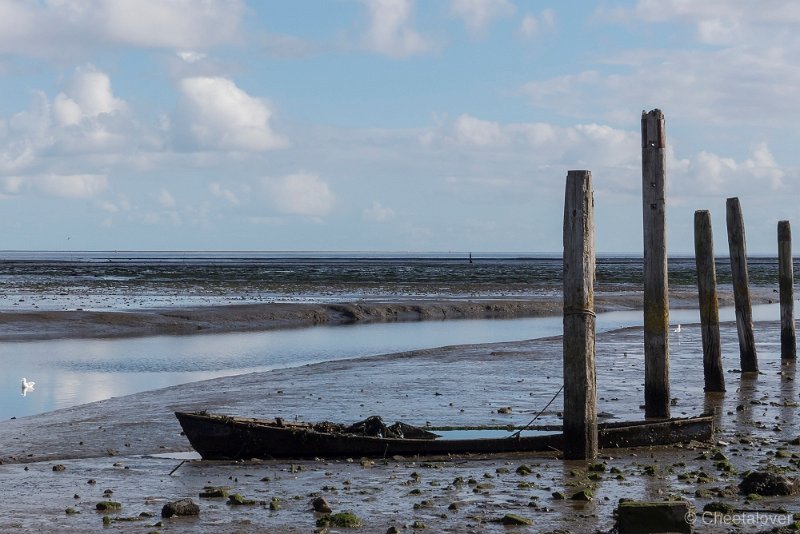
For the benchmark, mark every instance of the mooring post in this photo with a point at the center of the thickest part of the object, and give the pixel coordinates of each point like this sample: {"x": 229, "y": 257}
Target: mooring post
{"x": 786, "y": 290}
{"x": 580, "y": 395}
{"x": 741, "y": 287}
{"x": 656, "y": 294}
{"x": 709, "y": 307}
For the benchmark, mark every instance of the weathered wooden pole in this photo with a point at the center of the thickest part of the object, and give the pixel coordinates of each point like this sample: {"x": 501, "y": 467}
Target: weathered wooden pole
{"x": 786, "y": 285}
{"x": 741, "y": 287}
{"x": 580, "y": 394}
{"x": 656, "y": 295}
{"x": 709, "y": 307}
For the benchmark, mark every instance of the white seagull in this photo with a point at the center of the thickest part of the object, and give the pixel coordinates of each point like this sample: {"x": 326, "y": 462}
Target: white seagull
{"x": 678, "y": 329}
{"x": 26, "y": 386}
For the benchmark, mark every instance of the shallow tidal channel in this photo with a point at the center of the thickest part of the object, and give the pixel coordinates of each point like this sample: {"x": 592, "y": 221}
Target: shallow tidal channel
{"x": 78, "y": 371}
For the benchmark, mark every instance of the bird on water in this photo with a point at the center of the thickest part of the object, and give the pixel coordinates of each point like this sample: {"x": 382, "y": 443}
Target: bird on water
{"x": 26, "y": 386}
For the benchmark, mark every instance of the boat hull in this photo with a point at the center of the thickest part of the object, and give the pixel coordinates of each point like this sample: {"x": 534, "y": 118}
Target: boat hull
{"x": 217, "y": 437}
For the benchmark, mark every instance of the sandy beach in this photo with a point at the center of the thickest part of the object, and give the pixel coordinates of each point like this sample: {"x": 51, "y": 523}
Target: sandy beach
{"x": 118, "y": 444}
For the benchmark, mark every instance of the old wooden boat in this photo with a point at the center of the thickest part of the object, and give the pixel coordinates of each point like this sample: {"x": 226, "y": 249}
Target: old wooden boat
{"x": 219, "y": 437}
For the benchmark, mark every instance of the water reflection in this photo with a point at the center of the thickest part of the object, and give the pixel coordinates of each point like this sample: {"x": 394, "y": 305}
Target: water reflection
{"x": 72, "y": 372}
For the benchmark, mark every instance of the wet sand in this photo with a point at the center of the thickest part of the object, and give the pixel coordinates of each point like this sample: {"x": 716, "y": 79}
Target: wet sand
{"x": 29, "y": 324}
{"x": 112, "y": 443}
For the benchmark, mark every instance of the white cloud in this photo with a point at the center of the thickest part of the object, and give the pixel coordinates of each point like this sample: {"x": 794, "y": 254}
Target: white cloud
{"x": 378, "y": 212}
{"x": 710, "y": 174}
{"x": 85, "y": 118}
{"x": 532, "y": 26}
{"x": 12, "y": 184}
{"x": 190, "y": 56}
{"x": 72, "y": 185}
{"x": 723, "y": 22}
{"x": 109, "y": 207}
{"x": 57, "y": 185}
{"x": 391, "y": 32}
{"x": 301, "y": 193}
{"x": 698, "y": 85}
{"x": 166, "y": 199}
{"x": 172, "y": 24}
{"x": 478, "y": 14}
{"x": 478, "y": 132}
{"x": 215, "y": 114}
{"x": 87, "y": 96}
{"x": 218, "y": 191}
{"x": 62, "y": 27}
{"x": 750, "y": 66}
{"x": 543, "y": 143}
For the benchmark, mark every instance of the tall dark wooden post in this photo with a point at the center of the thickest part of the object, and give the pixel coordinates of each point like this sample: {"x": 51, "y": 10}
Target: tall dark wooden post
{"x": 741, "y": 286}
{"x": 656, "y": 294}
{"x": 709, "y": 307}
{"x": 580, "y": 395}
{"x": 786, "y": 290}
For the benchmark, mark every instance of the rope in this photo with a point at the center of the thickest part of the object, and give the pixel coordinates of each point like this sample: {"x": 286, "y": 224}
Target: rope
{"x": 518, "y": 432}
{"x": 579, "y": 311}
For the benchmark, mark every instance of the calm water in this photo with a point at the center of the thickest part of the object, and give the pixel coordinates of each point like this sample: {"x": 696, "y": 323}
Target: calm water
{"x": 71, "y": 372}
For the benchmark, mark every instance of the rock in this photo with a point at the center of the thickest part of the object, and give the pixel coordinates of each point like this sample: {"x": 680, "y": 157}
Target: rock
{"x": 392, "y": 530}
{"x": 514, "y": 519}
{"x": 59, "y": 467}
{"x": 341, "y": 520}
{"x": 70, "y": 511}
{"x": 719, "y": 507}
{"x": 104, "y": 506}
{"x": 557, "y": 495}
{"x": 182, "y": 507}
{"x": 213, "y": 493}
{"x": 237, "y": 500}
{"x": 637, "y": 517}
{"x": 320, "y": 504}
{"x": 505, "y": 410}
{"x": 524, "y": 470}
{"x": 726, "y": 492}
{"x": 766, "y": 483}
{"x": 583, "y": 495}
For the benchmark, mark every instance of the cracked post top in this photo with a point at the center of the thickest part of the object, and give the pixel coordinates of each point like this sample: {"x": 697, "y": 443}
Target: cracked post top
{"x": 653, "y": 135}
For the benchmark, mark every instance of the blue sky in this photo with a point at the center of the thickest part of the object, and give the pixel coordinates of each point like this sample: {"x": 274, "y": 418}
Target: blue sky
{"x": 388, "y": 125}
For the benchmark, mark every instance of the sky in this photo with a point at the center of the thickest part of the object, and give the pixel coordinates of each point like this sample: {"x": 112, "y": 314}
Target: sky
{"x": 389, "y": 125}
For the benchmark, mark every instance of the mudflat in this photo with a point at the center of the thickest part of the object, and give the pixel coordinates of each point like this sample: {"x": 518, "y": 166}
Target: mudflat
{"x": 16, "y": 325}
{"x": 119, "y": 444}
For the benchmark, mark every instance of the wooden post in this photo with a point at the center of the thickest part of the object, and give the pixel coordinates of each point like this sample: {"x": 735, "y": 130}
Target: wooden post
{"x": 786, "y": 285}
{"x": 656, "y": 295}
{"x": 709, "y": 307}
{"x": 580, "y": 395}
{"x": 741, "y": 288}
